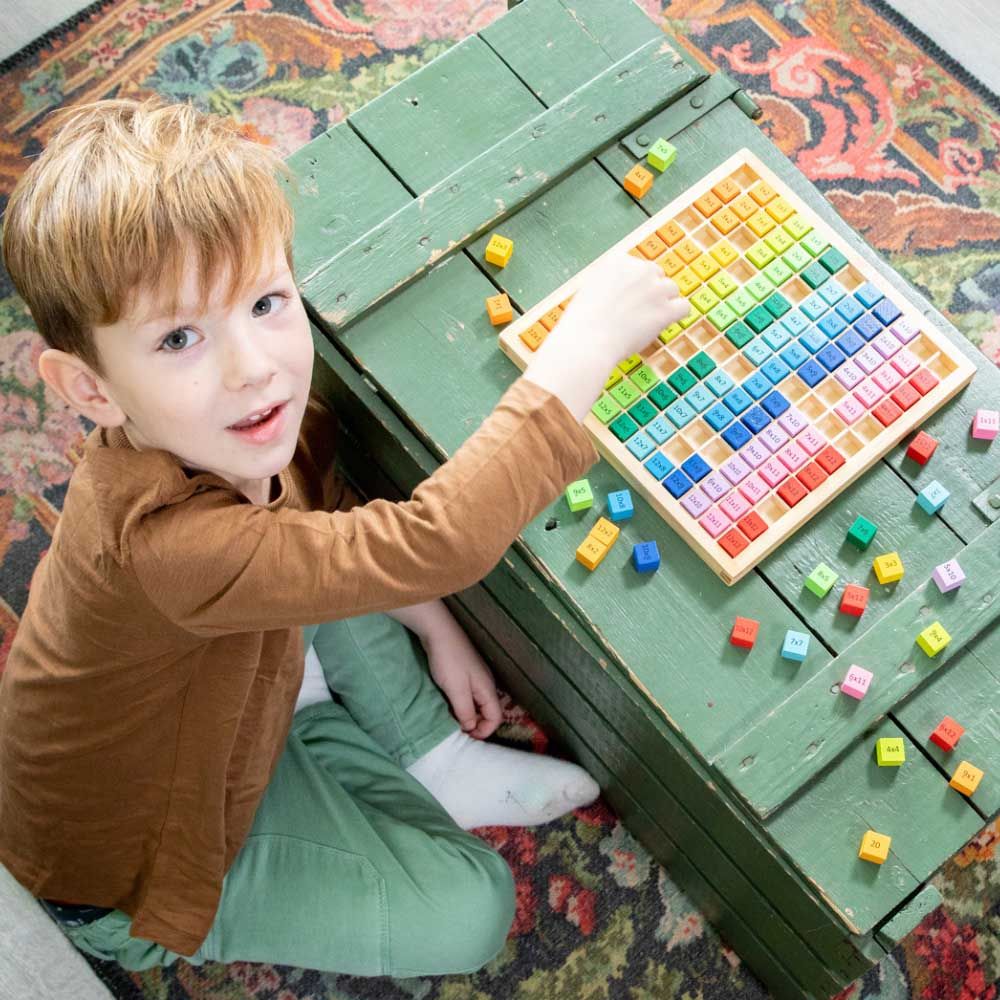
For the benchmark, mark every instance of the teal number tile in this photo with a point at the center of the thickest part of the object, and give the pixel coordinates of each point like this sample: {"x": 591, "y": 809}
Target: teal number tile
{"x": 815, "y": 274}
{"x": 719, "y": 382}
{"x": 758, "y": 319}
{"x": 741, "y": 302}
{"x": 659, "y": 430}
{"x": 662, "y": 395}
{"x": 640, "y": 445}
{"x": 623, "y": 427}
{"x": 644, "y": 377}
{"x": 778, "y": 272}
{"x": 682, "y": 380}
{"x": 814, "y": 243}
{"x": 680, "y": 413}
{"x": 760, "y": 286}
{"x": 833, "y": 260}
{"x": 739, "y": 335}
{"x": 643, "y": 412}
{"x": 721, "y": 316}
{"x": 757, "y": 353}
{"x": 777, "y": 305}
{"x": 776, "y": 337}
{"x": 701, "y": 364}
{"x": 797, "y": 258}
{"x": 699, "y": 399}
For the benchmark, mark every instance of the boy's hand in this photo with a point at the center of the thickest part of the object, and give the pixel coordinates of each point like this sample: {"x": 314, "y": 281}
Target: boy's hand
{"x": 466, "y": 681}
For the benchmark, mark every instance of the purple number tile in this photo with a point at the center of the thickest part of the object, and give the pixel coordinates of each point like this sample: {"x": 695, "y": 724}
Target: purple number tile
{"x": 696, "y": 503}
{"x": 714, "y": 522}
{"x": 793, "y": 421}
{"x": 774, "y": 438}
{"x": 886, "y": 344}
{"x": 906, "y": 362}
{"x": 849, "y": 374}
{"x": 773, "y": 472}
{"x": 904, "y": 329}
{"x": 887, "y": 378}
{"x": 734, "y": 506}
{"x": 753, "y": 488}
{"x": 811, "y": 440}
{"x": 792, "y": 456}
{"x": 849, "y": 410}
{"x": 714, "y": 486}
{"x": 868, "y": 359}
{"x": 948, "y": 576}
{"x": 868, "y": 394}
{"x": 754, "y": 455}
{"x": 735, "y": 470}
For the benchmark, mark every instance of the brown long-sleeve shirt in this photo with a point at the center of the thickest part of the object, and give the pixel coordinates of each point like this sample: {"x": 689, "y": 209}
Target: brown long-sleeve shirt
{"x": 151, "y": 685}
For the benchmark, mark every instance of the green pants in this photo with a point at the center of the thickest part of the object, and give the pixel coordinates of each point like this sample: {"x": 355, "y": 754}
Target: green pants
{"x": 351, "y": 865}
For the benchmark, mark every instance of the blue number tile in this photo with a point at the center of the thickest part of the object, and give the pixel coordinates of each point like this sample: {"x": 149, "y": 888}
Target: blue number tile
{"x": 794, "y": 355}
{"x": 677, "y": 483}
{"x": 699, "y": 399}
{"x": 812, "y": 340}
{"x": 719, "y": 382}
{"x": 813, "y": 306}
{"x": 718, "y": 417}
{"x": 812, "y": 373}
{"x": 795, "y": 323}
{"x": 776, "y": 337}
{"x": 831, "y": 357}
{"x": 757, "y": 385}
{"x": 868, "y": 326}
{"x": 850, "y": 343}
{"x": 738, "y": 400}
{"x": 832, "y": 292}
{"x": 659, "y": 430}
{"x": 887, "y": 311}
{"x": 680, "y": 413}
{"x": 736, "y": 436}
{"x": 850, "y": 308}
{"x": 640, "y": 445}
{"x": 696, "y": 468}
{"x": 775, "y": 369}
{"x": 756, "y": 352}
{"x": 832, "y": 324}
{"x": 867, "y": 294}
{"x": 755, "y": 420}
{"x": 775, "y": 404}
{"x": 659, "y": 465}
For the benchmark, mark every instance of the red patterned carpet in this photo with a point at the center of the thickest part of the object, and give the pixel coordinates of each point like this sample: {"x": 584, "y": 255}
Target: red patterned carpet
{"x": 896, "y": 136}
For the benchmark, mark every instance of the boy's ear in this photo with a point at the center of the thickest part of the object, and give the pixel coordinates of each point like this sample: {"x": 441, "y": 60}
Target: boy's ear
{"x": 72, "y": 379}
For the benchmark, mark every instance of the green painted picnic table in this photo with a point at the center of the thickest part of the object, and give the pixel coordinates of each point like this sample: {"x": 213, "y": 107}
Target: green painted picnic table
{"x": 749, "y": 776}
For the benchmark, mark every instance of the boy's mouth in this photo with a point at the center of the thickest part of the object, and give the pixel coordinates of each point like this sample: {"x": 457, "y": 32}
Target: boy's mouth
{"x": 261, "y": 425}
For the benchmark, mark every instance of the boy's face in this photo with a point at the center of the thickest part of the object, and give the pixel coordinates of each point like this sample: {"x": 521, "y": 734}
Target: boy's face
{"x": 188, "y": 383}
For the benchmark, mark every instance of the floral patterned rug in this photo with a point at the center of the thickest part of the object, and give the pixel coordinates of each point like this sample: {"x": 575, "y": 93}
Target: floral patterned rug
{"x": 901, "y": 141}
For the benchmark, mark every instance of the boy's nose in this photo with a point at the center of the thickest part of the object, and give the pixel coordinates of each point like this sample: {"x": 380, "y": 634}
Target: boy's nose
{"x": 246, "y": 363}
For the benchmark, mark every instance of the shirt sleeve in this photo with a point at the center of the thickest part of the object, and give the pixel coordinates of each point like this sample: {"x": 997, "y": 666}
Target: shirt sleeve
{"x": 214, "y": 567}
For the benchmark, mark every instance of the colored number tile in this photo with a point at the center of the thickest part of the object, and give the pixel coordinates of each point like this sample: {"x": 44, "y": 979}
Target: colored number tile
{"x": 643, "y": 412}
{"x": 640, "y": 445}
{"x": 638, "y": 181}
{"x": 857, "y": 682}
{"x": 733, "y": 543}
{"x": 923, "y": 381}
{"x": 812, "y": 373}
{"x": 736, "y": 436}
{"x": 499, "y": 309}
{"x": 590, "y": 552}
{"x": 605, "y": 532}
{"x": 921, "y": 448}
{"x": 677, "y": 484}
{"x": 792, "y": 492}
{"x": 739, "y": 335}
{"x": 820, "y": 580}
{"x": 966, "y": 778}
{"x": 829, "y": 459}
{"x": 752, "y": 525}
{"x": 605, "y": 409}
{"x": 811, "y": 477}
{"x": 887, "y": 311}
{"x": 579, "y": 495}
{"x": 933, "y": 639}
{"x": 659, "y": 466}
{"x": 696, "y": 504}
{"x": 932, "y": 497}
{"x": 696, "y": 468}
{"x": 947, "y": 734}
{"x": 744, "y": 632}
{"x": 862, "y": 533}
{"x": 757, "y": 385}
{"x": 718, "y": 417}
{"x": 499, "y": 250}
{"x": 890, "y": 751}
{"x": 661, "y": 154}
{"x": 645, "y": 557}
{"x": 874, "y": 847}
{"x": 659, "y": 430}
{"x": 796, "y": 646}
{"x": 620, "y": 506}
{"x": 888, "y": 567}
{"x": 854, "y": 600}
{"x": 533, "y": 336}
{"x": 623, "y": 427}
{"x": 986, "y": 425}
{"x": 948, "y": 576}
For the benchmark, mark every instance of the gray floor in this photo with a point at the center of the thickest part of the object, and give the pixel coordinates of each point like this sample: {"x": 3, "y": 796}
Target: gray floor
{"x": 36, "y": 961}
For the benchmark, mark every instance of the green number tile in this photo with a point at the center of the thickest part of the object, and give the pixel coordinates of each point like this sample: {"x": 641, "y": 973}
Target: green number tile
{"x": 624, "y": 427}
{"x": 579, "y": 495}
{"x": 643, "y": 412}
{"x": 778, "y": 271}
{"x": 691, "y": 318}
{"x": 814, "y": 243}
{"x": 661, "y": 154}
{"x": 625, "y": 394}
{"x": 741, "y": 302}
{"x": 645, "y": 378}
{"x": 797, "y": 258}
{"x": 672, "y": 331}
{"x": 701, "y": 364}
{"x": 797, "y": 227}
{"x": 723, "y": 284}
{"x": 662, "y": 395}
{"x": 759, "y": 286}
{"x": 833, "y": 260}
{"x": 758, "y": 319}
{"x": 821, "y": 579}
{"x": 721, "y": 316}
{"x": 613, "y": 379}
{"x": 605, "y": 409}
{"x": 681, "y": 381}
{"x": 704, "y": 299}
{"x": 630, "y": 363}
{"x": 739, "y": 335}
{"x": 777, "y": 305}
{"x": 815, "y": 274}
{"x": 760, "y": 255}
{"x": 779, "y": 241}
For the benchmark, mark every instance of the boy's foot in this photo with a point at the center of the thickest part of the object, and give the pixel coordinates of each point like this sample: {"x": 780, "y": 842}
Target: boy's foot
{"x": 485, "y": 784}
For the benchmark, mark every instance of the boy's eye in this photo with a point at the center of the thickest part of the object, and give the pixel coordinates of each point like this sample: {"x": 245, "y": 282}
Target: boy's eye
{"x": 177, "y": 340}
{"x": 263, "y": 306}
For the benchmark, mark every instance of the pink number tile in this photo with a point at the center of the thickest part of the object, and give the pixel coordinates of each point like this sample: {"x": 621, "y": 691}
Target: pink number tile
{"x": 696, "y": 503}
{"x": 753, "y": 488}
{"x": 735, "y": 470}
{"x": 714, "y": 486}
{"x": 857, "y": 682}
{"x": 868, "y": 359}
{"x": 773, "y": 472}
{"x": 792, "y": 456}
{"x": 792, "y": 421}
{"x": 734, "y": 506}
{"x": 904, "y": 329}
{"x": 887, "y": 378}
{"x": 774, "y": 438}
{"x": 849, "y": 410}
{"x": 906, "y": 362}
{"x": 986, "y": 425}
{"x": 811, "y": 440}
{"x": 886, "y": 344}
{"x": 714, "y": 523}
{"x": 849, "y": 375}
{"x": 754, "y": 455}
{"x": 868, "y": 394}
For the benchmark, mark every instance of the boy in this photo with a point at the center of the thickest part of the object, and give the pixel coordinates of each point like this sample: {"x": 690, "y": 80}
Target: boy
{"x": 170, "y": 784}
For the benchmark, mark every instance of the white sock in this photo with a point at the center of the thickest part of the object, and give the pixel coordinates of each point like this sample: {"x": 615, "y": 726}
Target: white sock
{"x": 485, "y": 784}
